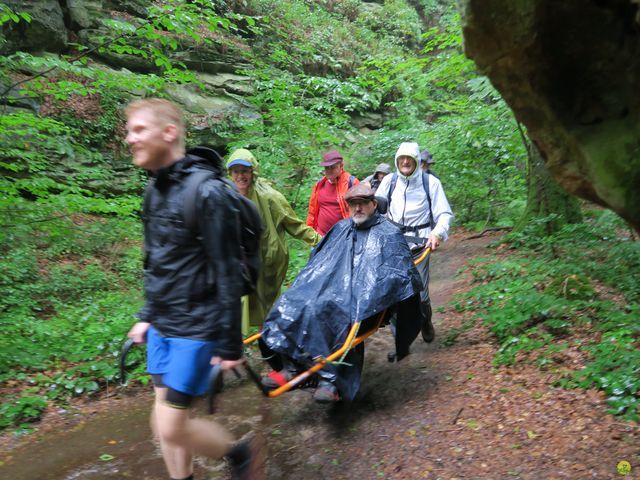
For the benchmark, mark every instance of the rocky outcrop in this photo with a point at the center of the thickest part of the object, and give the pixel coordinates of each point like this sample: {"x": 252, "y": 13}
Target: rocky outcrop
{"x": 80, "y": 14}
{"x": 54, "y": 22}
{"x": 58, "y": 24}
{"x": 46, "y": 31}
{"x": 570, "y": 71}
{"x": 368, "y": 120}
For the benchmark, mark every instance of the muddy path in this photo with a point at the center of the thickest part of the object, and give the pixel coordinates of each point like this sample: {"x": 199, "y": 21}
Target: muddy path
{"x": 442, "y": 413}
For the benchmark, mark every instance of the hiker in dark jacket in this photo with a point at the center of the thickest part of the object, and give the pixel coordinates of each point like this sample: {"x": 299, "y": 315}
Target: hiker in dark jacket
{"x": 191, "y": 317}
{"x": 427, "y": 162}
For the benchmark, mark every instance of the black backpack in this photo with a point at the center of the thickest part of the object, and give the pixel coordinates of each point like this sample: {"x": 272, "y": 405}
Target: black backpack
{"x": 248, "y": 224}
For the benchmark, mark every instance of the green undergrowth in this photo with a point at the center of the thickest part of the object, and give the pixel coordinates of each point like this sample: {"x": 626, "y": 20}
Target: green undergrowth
{"x": 577, "y": 290}
{"x": 69, "y": 284}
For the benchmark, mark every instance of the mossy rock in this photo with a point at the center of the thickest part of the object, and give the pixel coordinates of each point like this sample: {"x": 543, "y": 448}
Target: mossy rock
{"x": 569, "y": 72}
{"x": 133, "y": 7}
{"x": 45, "y": 31}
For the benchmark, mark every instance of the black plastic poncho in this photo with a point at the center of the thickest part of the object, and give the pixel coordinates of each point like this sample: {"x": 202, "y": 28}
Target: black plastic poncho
{"x": 353, "y": 274}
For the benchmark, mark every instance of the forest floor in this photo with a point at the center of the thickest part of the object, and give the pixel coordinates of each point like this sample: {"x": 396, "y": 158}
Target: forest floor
{"x": 460, "y": 417}
{"x": 445, "y": 412}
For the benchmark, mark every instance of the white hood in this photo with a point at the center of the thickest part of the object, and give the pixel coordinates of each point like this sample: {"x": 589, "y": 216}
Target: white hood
{"x": 409, "y": 149}
{"x": 409, "y": 204}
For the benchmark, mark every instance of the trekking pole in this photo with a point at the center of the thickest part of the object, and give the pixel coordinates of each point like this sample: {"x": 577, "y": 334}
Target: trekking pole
{"x": 251, "y": 373}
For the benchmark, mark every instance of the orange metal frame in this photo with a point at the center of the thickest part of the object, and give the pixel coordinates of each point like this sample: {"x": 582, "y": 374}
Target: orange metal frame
{"x": 351, "y": 341}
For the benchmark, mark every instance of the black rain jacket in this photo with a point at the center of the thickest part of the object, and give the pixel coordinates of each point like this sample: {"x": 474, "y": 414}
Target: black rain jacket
{"x": 191, "y": 278}
{"x": 353, "y": 274}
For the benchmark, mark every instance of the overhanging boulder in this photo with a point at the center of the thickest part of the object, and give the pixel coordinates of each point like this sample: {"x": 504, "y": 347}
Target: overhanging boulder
{"x": 570, "y": 71}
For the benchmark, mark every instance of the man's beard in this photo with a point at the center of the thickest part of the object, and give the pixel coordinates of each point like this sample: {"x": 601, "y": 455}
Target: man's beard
{"x": 360, "y": 218}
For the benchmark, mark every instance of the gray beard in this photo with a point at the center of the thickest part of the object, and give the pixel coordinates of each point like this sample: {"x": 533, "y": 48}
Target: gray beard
{"x": 360, "y": 220}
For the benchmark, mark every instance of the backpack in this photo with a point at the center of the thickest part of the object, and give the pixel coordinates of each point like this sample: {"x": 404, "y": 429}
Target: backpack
{"x": 425, "y": 184}
{"x": 248, "y": 224}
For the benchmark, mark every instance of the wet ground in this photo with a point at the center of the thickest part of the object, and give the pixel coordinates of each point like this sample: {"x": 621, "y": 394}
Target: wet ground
{"x": 442, "y": 413}
{"x": 300, "y": 435}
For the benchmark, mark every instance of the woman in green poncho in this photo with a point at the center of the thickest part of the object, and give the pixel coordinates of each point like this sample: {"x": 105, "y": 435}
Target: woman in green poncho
{"x": 278, "y": 217}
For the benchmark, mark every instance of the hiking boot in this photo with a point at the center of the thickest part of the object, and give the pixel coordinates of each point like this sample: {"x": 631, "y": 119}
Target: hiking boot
{"x": 427, "y": 330}
{"x": 326, "y": 393}
{"x": 245, "y": 462}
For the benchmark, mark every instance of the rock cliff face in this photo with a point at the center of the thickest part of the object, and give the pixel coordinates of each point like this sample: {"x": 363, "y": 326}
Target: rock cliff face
{"x": 570, "y": 70}
{"x": 56, "y": 24}
{"x": 46, "y": 31}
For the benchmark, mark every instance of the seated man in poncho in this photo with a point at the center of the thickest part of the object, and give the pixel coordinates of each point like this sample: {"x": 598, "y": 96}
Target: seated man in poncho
{"x": 360, "y": 268}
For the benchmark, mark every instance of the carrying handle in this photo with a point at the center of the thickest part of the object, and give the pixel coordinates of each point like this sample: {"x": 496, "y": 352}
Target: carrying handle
{"x": 123, "y": 360}
{"x": 215, "y": 387}
{"x": 216, "y": 383}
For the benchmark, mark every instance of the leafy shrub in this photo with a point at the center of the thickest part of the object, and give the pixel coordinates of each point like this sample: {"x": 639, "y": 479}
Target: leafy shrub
{"x": 63, "y": 310}
{"x": 616, "y": 366}
{"x": 571, "y": 287}
{"x": 26, "y": 408}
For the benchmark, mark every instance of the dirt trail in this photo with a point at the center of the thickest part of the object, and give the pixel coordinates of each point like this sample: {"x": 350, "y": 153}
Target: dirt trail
{"x": 447, "y": 413}
{"x": 442, "y": 413}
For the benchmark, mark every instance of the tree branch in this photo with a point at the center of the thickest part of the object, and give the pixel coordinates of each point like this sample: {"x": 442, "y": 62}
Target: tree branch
{"x": 487, "y": 230}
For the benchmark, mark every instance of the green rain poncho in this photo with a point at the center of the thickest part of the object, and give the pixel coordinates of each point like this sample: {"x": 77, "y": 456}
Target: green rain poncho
{"x": 278, "y": 217}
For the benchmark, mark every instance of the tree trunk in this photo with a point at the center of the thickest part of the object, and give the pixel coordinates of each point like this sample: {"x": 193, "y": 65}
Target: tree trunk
{"x": 545, "y": 198}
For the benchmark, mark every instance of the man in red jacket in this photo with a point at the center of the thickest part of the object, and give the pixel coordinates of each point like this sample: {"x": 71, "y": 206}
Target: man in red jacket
{"x": 326, "y": 205}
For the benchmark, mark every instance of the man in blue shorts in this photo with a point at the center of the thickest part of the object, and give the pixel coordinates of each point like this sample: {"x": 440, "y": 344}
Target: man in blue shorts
{"x": 191, "y": 319}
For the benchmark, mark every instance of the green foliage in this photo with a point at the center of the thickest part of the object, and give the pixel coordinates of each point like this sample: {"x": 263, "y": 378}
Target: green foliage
{"x": 65, "y": 282}
{"x": 298, "y": 257}
{"x": 332, "y": 96}
{"x": 303, "y": 38}
{"x": 8, "y": 15}
{"x": 397, "y": 21}
{"x": 537, "y": 300}
{"x": 167, "y": 28}
{"x": 291, "y": 133}
{"x": 616, "y": 363}
{"x": 26, "y": 408}
{"x": 42, "y": 158}
{"x": 572, "y": 287}
{"x": 70, "y": 243}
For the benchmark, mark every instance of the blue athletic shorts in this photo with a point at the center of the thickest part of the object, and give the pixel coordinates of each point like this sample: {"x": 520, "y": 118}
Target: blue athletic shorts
{"x": 183, "y": 363}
